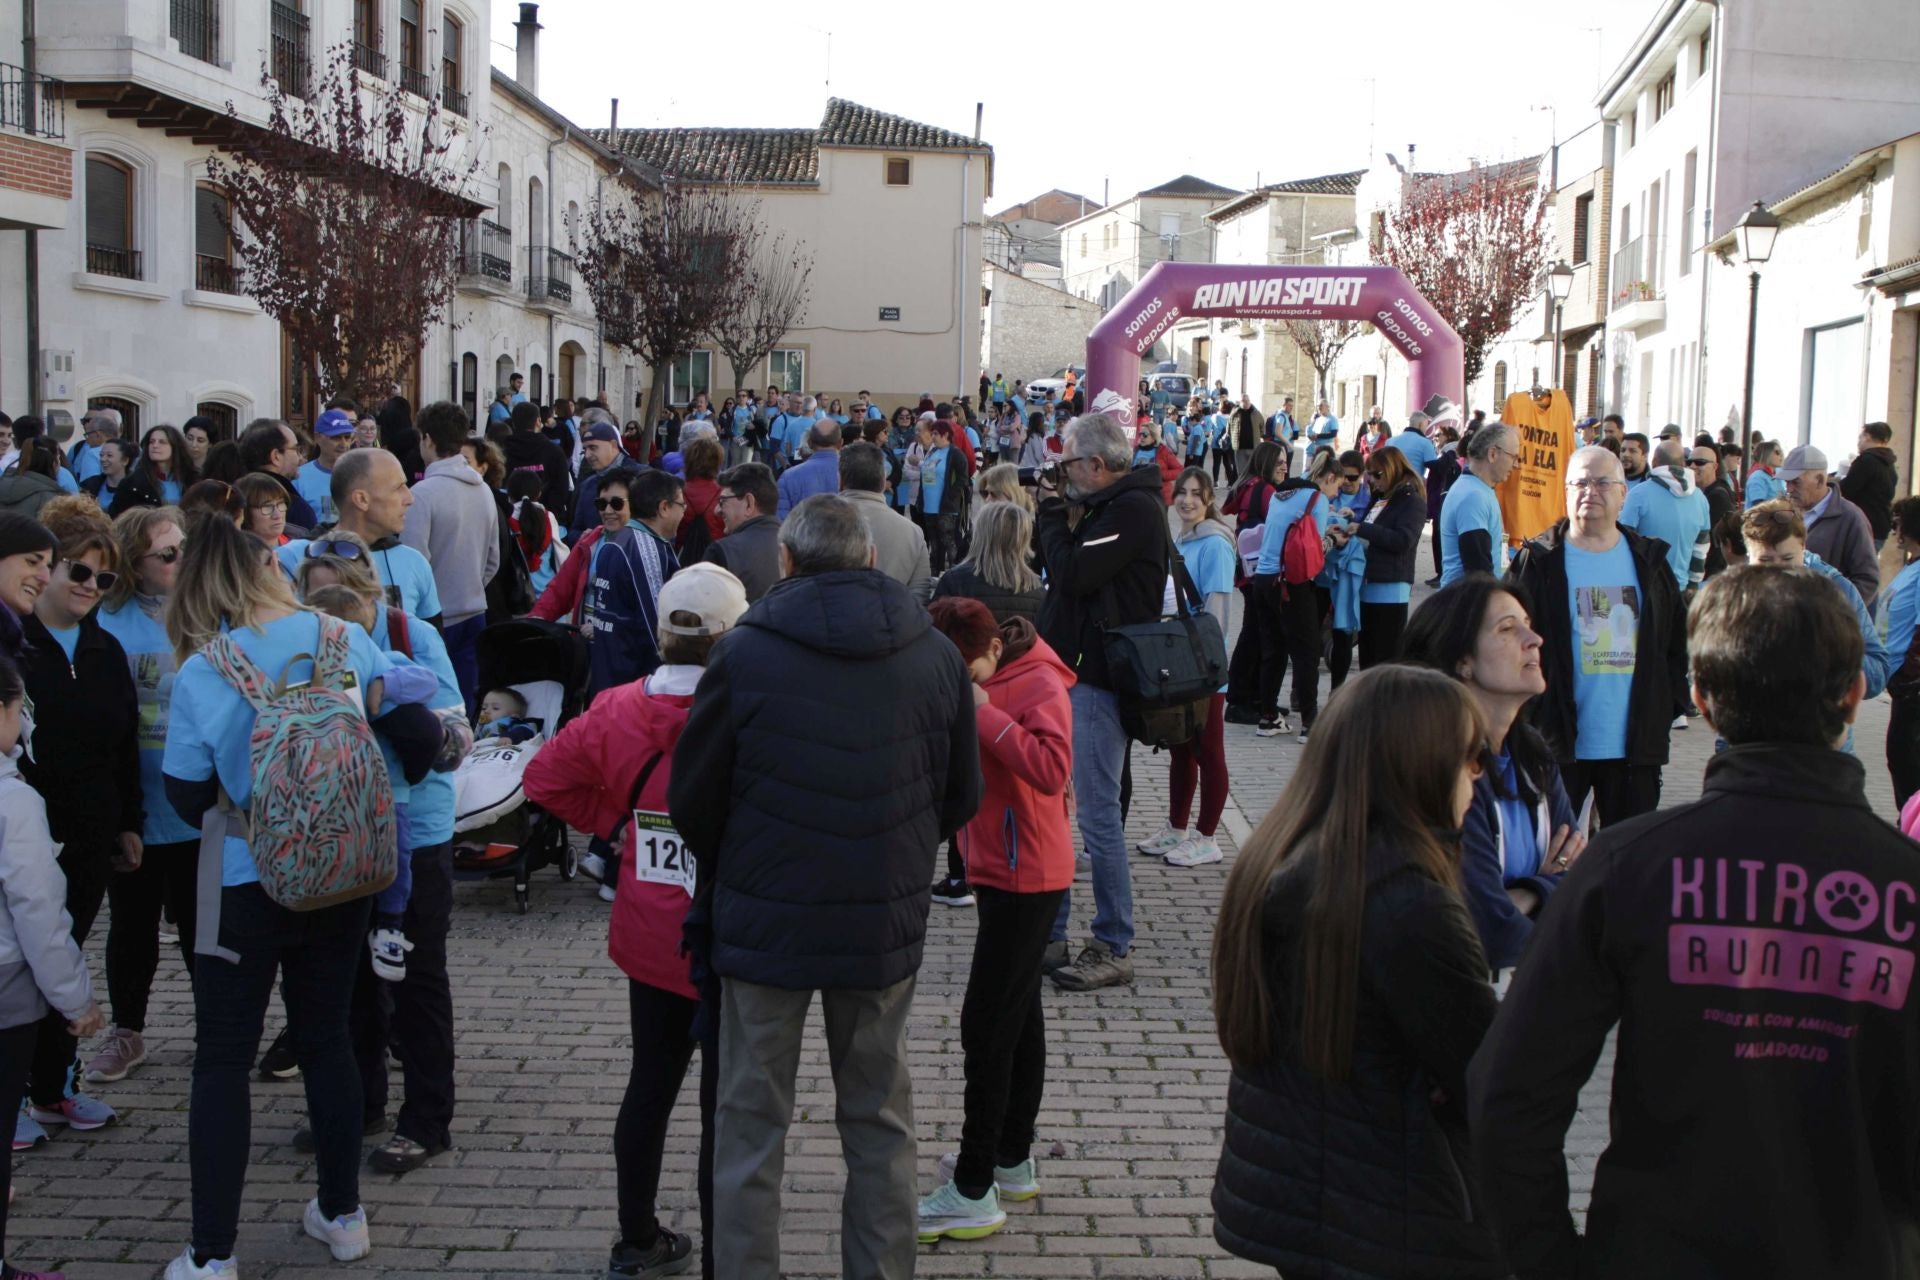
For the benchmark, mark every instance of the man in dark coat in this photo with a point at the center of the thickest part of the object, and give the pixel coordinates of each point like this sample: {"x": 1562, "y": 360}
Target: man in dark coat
{"x": 526, "y": 447}
{"x": 1704, "y": 461}
{"x": 1873, "y": 480}
{"x": 830, "y": 748}
{"x": 750, "y": 549}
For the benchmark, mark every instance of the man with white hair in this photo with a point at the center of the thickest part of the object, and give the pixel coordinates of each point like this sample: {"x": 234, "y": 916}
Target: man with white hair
{"x": 1473, "y": 535}
{"x": 1837, "y": 531}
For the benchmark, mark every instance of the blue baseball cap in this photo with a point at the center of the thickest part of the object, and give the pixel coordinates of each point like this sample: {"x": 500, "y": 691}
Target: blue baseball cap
{"x": 334, "y": 422}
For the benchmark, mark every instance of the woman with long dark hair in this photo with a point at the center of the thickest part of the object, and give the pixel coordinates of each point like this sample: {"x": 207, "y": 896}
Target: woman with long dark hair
{"x": 1391, "y": 531}
{"x": 1247, "y": 503}
{"x": 398, "y": 435}
{"x": 164, "y": 472}
{"x": 1350, "y": 993}
{"x": 1519, "y": 837}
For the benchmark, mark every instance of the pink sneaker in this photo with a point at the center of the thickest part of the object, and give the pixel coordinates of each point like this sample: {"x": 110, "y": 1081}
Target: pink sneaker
{"x": 78, "y": 1112}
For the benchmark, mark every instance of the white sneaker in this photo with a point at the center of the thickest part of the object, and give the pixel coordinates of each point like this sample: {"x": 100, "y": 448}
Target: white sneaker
{"x": 346, "y": 1236}
{"x": 593, "y": 866}
{"x": 183, "y": 1268}
{"x": 1194, "y": 851}
{"x": 1680, "y": 722}
{"x": 607, "y": 893}
{"x": 390, "y": 947}
{"x": 1164, "y": 840}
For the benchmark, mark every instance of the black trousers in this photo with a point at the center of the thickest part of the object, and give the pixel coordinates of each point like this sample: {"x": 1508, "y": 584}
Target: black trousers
{"x": 317, "y": 951}
{"x": 1621, "y": 790}
{"x": 1289, "y": 630}
{"x": 56, "y": 1068}
{"x": 661, "y": 1024}
{"x": 943, "y": 542}
{"x": 16, "y": 1059}
{"x": 417, "y": 1011}
{"x": 1903, "y": 748}
{"x": 1243, "y": 669}
{"x": 1382, "y": 627}
{"x": 165, "y": 881}
{"x": 1003, "y": 1034}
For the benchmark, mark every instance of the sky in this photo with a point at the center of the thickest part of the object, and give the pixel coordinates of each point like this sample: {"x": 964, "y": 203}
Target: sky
{"x": 1248, "y": 93}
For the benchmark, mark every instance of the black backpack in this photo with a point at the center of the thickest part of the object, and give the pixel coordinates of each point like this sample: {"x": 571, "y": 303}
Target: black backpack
{"x": 1165, "y": 672}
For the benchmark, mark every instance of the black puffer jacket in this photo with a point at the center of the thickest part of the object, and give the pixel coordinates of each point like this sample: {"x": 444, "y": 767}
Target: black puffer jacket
{"x": 1366, "y": 1178}
{"x": 830, "y": 748}
{"x": 1110, "y": 570}
{"x": 965, "y": 580}
{"x": 1393, "y": 536}
{"x": 85, "y": 758}
{"x": 1659, "y": 688}
{"x": 1871, "y": 484}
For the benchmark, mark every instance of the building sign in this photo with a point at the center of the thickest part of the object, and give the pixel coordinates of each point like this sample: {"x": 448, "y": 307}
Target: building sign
{"x": 889, "y": 313}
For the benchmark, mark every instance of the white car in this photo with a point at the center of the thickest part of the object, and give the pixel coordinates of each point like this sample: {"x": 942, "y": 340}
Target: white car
{"x": 1038, "y": 388}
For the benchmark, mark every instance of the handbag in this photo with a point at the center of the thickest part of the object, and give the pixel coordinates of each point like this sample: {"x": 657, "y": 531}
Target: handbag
{"x": 1165, "y": 672}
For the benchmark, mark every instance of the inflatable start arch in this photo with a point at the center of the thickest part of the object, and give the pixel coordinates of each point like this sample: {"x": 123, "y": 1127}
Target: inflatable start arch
{"x": 1173, "y": 291}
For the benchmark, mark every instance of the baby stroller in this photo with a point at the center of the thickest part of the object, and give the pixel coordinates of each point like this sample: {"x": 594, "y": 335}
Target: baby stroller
{"x": 497, "y": 832}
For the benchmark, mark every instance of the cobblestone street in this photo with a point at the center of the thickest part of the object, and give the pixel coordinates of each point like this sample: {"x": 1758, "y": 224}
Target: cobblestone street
{"x": 1128, "y": 1137}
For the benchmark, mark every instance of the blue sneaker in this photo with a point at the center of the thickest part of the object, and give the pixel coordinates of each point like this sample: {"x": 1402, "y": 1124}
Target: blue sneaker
{"x": 78, "y": 1112}
{"x": 27, "y": 1132}
{"x": 948, "y": 1213}
{"x": 1021, "y": 1182}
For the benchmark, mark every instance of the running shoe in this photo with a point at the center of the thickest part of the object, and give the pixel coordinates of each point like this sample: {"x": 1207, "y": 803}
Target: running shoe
{"x": 593, "y": 866}
{"x": 279, "y": 1062}
{"x": 390, "y": 947}
{"x": 668, "y": 1255}
{"x": 1096, "y": 967}
{"x": 947, "y": 1213}
{"x": 1022, "y": 1182}
{"x": 345, "y": 1236}
{"x": 28, "y": 1133}
{"x": 123, "y": 1051}
{"x": 1161, "y": 841}
{"x": 607, "y": 893}
{"x": 1270, "y": 728}
{"x": 951, "y": 891}
{"x": 78, "y": 1112}
{"x": 1195, "y": 851}
{"x": 185, "y": 1268}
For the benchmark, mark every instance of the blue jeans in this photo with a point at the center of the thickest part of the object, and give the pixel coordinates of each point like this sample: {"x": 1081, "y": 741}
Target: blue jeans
{"x": 1099, "y": 750}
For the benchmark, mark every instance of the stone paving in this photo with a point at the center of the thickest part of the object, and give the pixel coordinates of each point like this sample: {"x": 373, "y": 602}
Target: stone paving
{"x": 1127, "y": 1139}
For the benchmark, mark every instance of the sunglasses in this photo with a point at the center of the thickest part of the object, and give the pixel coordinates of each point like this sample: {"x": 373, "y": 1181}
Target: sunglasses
{"x": 332, "y": 547}
{"x": 609, "y": 504}
{"x": 1698, "y": 462}
{"x": 164, "y": 557}
{"x": 1350, "y": 476}
{"x": 79, "y": 574}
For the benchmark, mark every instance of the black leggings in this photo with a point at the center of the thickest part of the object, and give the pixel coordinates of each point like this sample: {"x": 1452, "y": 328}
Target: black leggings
{"x": 1003, "y": 1034}
{"x": 1289, "y": 629}
{"x": 165, "y": 880}
{"x": 1903, "y": 748}
{"x": 663, "y": 1045}
{"x": 1243, "y": 670}
{"x": 16, "y": 1058}
{"x": 1381, "y": 629}
{"x": 56, "y": 1068}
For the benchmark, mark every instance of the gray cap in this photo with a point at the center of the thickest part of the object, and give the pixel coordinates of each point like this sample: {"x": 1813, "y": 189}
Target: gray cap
{"x": 1802, "y": 459}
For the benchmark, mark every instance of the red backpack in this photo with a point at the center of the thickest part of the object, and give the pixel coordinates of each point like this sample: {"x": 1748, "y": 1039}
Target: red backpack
{"x": 1302, "y": 554}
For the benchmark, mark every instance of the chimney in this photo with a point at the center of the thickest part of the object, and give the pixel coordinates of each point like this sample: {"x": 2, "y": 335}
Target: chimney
{"x": 526, "y": 49}
{"x": 613, "y": 125}
{"x": 979, "y": 110}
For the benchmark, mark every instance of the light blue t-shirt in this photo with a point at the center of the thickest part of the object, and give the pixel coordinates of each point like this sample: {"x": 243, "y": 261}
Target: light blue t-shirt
{"x": 1655, "y": 511}
{"x": 403, "y": 571}
{"x": 1211, "y": 561}
{"x": 85, "y": 460}
{"x": 1470, "y": 505}
{"x": 933, "y": 478}
{"x": 170, "y": 492}
{"x": 1282, "y": 511}
{"x": 1899, "y": 611}
{"x": 431, "y": 804}
{"x": 68, "y": 639}
{"x": 209, "y": 723}
{"x": 1419, "y": 450}
{"x": 150, "y": 657}
{"x": 1605, "y": 597}
{"x": 315, "y": 484}
{"x": 64, "y": 478}
{"x": 1764, "y": 486}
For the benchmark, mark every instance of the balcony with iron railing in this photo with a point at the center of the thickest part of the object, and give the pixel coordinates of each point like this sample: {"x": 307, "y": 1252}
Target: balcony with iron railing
{"x": 1638, "y": 300}
{"x": 549, "y": 276}
{"x": 450, "y": 96}
{"x": 215, "y": 274}
{"x": 195, "y": 26}
{"x": 368, "y": 58}
{"x": 416, "y": 82}
{"x": 486, "y": 251}
{"x": 32, "y": 104}
{"x": 110, "y": 260}
{"x": 288, "y": 55}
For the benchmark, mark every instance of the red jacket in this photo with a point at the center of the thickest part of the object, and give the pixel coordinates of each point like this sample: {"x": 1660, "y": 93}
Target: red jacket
{"x": 1170, "y": 469}
{"x": 568, "y": 589}
{"x": 583, "y": 777}
{"x": 703, "y": 503}
{"x": 1019, "y": 839}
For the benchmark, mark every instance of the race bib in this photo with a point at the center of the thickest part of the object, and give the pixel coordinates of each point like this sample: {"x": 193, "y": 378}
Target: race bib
{"x": 659, "y": 855}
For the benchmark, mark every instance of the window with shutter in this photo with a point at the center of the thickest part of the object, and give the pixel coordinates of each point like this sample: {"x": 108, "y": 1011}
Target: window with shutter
{"x": 109, "y": 204}
{"x": 210, "y": 238}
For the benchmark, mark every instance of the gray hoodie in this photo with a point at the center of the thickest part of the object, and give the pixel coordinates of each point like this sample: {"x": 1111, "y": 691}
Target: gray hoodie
{"x": 454, "y": 523}
{"x": 40, "y": 964}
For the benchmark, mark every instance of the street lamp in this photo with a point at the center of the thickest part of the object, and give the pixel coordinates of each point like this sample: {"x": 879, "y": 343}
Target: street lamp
{"x": 1756, "y": 234}
{"x": 1559, "y": 288}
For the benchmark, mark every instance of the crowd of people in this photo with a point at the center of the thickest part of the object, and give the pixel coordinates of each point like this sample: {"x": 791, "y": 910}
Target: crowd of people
{"x": 239, "y": 669}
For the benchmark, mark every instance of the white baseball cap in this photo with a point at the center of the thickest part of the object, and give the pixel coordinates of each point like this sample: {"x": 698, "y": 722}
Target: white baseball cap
{"x": 707, "y": 590}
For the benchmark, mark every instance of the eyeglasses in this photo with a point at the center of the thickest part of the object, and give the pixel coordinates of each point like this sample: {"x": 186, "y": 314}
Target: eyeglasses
{"x": 609, "y": 504}
{"x": 164, "y": 557}
{"x": 79, "y": 573}
{"x": 271, "y": 508}
{"x": 1593, "y": 486}
{"x": 335, "y": 547}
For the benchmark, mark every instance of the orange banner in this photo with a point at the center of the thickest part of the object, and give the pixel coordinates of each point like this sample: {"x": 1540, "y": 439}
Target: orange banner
{"x": 1534, "y": 497}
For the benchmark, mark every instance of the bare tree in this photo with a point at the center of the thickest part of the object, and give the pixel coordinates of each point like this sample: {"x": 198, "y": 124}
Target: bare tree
{"x": 662, "y": 271}
{"x": 348, "y": 208}
{"x": 773, "y": 294}
{"x": 1474, "y": 244}
{"x": 1321, "y": 342}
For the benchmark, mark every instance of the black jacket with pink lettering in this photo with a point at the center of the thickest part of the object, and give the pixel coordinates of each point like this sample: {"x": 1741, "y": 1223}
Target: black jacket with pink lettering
{"x": 1757, "y": 951}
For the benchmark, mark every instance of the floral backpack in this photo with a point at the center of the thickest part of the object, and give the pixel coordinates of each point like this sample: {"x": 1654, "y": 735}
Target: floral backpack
{"x": 320, "y": 819}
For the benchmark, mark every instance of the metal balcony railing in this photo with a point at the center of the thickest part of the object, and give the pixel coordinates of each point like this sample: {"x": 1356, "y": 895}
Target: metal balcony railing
{"x": 416, "y": 82}
{"x": 195, "y": 25}
{"x": 549, "y": 275}
{"x": 1634, "y": 278}
{"x": 289, "y": 59}
{"x": 32, "y": 104}
{"x": 215, "y": 275}
{"x": 450, "y": 96}
{"x": 486, "y": 249}
{"x": 369, "y": 59}
{"x": 108, "y": 260}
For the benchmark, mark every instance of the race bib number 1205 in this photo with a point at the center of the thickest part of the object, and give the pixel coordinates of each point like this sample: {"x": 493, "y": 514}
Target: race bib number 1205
{"x": 659, "y": 855}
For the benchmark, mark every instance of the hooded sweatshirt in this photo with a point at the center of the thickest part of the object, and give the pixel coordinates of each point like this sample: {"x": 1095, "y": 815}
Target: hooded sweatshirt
{"x": 454, "y": 523}
{"x": 1670, "y": 507}
{"x": 40, "y": 964}
{"x": 586, "y": 776}
{"x": 1020, "y": 840}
